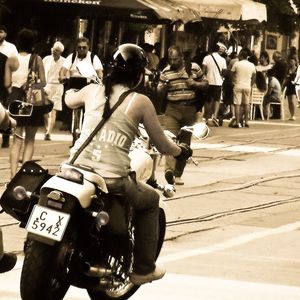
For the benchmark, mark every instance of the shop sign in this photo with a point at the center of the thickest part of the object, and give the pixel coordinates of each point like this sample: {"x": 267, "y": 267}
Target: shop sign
{"x": 88, "y": 2}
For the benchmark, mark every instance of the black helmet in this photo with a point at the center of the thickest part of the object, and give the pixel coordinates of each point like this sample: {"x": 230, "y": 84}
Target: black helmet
{"x": 129, "y": 57}
{"x": 127, "y": 64}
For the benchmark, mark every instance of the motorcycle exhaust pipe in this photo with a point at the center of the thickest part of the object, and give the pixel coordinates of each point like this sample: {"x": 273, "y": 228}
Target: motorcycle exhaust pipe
{"x": 98, "y": 271}
{"x": 106, "y": 282}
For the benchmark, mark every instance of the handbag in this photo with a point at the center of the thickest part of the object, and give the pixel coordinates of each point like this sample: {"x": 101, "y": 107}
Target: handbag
{"x": 34, "y": 89}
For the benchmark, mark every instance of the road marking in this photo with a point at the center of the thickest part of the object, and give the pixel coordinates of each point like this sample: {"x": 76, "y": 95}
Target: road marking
{"x": 234, "y": 148}
{"x": 196, "y": 145}
{"x": 182, "y": 287}
{"x": 240, "y": 240}
{"x": 55, "y": 137}
{"x": 246, "y": 149}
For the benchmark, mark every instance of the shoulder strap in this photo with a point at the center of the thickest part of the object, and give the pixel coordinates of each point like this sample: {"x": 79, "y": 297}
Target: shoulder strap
{"x": 217, "y": 65}
{"x": 73, "y": 57}
{"x": 98, "y": 127}
{"x": 92, "y": 57}
{"x": 32, "y": 62}
{"x": 32, "y": 66}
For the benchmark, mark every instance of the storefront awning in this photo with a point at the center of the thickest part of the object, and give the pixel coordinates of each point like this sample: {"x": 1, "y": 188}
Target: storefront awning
{"x": 173, "y": 10}
{"x": 229, "y": 9}
{"x": 165, "y": 10}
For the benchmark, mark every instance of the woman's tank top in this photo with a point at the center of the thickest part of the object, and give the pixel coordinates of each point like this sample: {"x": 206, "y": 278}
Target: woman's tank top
{"x": 108, "y": 152}
{"x": 19, "y": 77}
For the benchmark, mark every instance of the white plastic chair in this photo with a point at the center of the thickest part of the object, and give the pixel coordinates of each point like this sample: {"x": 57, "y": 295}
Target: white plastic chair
{"x": 256, "y": 100}
{"x": 281, "y": 103}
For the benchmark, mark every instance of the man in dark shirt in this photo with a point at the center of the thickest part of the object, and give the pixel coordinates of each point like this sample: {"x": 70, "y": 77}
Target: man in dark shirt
{"x": 179, "y": 81}
{"x": 280, "y": 67}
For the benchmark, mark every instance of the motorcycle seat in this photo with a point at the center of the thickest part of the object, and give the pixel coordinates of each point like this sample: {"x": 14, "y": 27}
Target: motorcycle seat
{"x": 89, "y": 175}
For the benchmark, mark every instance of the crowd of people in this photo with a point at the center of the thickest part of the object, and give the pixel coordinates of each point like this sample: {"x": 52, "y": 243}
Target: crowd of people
{"x": 210, "y": 87}
{"x": 83, "y": 72}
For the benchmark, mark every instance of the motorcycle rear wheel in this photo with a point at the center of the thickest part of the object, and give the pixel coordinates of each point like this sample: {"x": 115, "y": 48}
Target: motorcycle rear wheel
{"x": 125, "y": 291}
{"x": 45, "y": 271}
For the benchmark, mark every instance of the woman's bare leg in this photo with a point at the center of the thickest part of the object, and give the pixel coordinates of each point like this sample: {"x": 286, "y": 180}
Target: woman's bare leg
{"x": 15, "y": 150}
{"x": 30, "y": 133}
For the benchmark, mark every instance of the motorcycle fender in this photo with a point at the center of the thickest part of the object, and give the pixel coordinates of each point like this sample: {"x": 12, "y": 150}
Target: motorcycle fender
{"x": 83, "y": 192}
{"x": 38, "y": 238}
{"x": 141, "y": 163}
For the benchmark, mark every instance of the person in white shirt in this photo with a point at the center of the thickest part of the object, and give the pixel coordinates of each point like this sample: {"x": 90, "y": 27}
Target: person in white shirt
{"x": 82, "y": 62}
{"x": 6, "y": 47}
{"x": 8, "y": 50}
{"x": 77, "y": 68}
{"x": 54, "y": 89}
{"x": 243, "y": 79}
{"x": 214, "y": 65}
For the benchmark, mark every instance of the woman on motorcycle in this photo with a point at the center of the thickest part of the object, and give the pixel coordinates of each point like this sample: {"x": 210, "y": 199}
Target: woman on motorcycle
{"x": 108, "y": 151}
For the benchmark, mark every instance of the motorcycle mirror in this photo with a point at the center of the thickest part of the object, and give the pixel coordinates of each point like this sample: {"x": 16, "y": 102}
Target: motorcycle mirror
{"x": 19, "y": 108}
{"x": 199, "y": 130}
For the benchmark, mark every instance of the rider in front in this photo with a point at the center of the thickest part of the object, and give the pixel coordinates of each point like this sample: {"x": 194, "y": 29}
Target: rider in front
{"x": 107, "y": 154}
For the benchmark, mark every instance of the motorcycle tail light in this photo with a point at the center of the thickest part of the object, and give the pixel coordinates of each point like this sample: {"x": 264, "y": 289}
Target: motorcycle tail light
{"x": 72, "y": 175}
{"x": 56, "y": 196}
{"x": 102, "y": 219}
{"x": 55, "y": 199}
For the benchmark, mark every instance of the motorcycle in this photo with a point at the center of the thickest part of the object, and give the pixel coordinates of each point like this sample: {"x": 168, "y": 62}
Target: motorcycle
{"x": 78, "y": 233}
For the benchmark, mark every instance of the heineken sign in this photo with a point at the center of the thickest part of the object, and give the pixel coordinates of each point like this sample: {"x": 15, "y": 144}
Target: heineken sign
{"x": 89, "y": 2}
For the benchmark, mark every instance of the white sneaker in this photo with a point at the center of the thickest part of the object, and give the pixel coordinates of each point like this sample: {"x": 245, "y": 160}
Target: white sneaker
{"x": 179, "y": 181}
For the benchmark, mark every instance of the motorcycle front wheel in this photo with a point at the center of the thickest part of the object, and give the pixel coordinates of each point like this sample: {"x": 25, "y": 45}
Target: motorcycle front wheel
{"x": 45, "y": 271}
{"x": 126, "y": 290}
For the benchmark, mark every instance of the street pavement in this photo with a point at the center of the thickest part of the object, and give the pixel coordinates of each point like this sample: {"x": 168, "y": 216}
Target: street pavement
{"x": 260, "y": 164}
{"x": 203, "y": 180}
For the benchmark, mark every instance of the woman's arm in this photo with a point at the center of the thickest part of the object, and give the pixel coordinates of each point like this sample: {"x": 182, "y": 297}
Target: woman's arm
{"x": 143, "y": 111}
{"x": 297, "y": 75}
{"x": 41, "y": 70}
{"x": 78, "y": 98}
{"x": 11, "y": 65}
{"x": 269, "y": 90}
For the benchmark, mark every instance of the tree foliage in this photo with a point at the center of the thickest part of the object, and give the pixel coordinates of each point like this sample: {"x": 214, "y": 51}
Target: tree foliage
{"x": 281, "y": 16}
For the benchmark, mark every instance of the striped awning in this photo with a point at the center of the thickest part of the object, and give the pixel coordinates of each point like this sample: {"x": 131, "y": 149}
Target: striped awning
{"x": 229, "y": 9}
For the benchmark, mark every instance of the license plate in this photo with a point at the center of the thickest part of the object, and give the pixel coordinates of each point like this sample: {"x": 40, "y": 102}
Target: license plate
{"x": 48, "y": 223}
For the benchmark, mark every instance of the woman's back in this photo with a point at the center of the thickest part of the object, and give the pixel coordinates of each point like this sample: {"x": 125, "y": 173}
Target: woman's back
{"x": 19, "y": 77}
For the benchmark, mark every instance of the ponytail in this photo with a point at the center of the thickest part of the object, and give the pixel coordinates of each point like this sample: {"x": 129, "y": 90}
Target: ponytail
{"x": 108, "y": 87}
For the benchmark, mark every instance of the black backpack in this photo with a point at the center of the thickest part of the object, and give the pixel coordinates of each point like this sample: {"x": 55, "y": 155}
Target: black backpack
{"x": 74, "y": 56}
